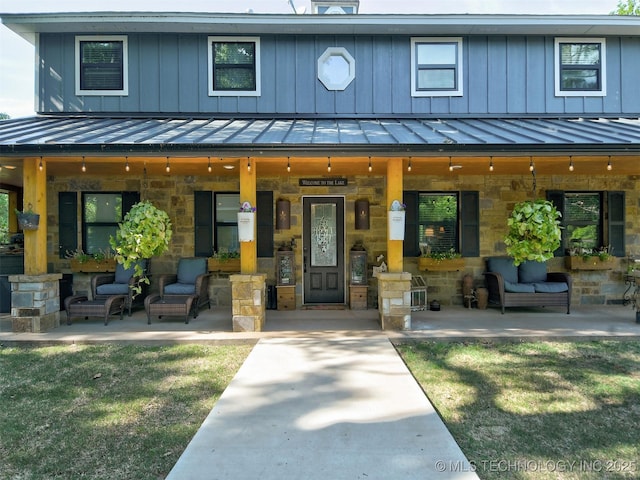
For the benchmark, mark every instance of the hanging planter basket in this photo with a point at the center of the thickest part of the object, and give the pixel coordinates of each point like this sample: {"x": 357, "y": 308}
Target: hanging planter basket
{"x": 396, "y": 225}
{"x": 246, "y": 226}
{"x": 28, "y": 220}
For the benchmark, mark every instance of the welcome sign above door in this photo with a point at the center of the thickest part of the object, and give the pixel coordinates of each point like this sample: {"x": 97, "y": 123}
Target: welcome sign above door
{"x": 323, "y": 182}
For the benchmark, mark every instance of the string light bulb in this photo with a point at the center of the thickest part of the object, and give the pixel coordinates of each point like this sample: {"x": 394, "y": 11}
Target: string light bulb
{"x": 491, "y": 164}
{"x": 40, "y": 167}
{"x": 450, "y": 165}
{"x": 609, "y": 166}
{"x": 126, "y": 164}
{"x": 288, "y": 165}
{"x": 167, "y": 167}
{"x": 84, "y": 166}
{"x": 248, "y": 164}
{"x": 531, "y": 167}
{"x": 209, "y": 167}
{"x": 370, "y": 167}
{"x": 409, "y": 166}
{"x": 329, "y": 164}
{"x": 571, "y": 164}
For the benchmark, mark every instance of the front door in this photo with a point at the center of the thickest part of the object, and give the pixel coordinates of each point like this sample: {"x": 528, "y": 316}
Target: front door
{"x": 323, "y": 249}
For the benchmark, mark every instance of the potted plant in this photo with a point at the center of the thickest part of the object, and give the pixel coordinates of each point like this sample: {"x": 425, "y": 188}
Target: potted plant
{"x": 28, "y": 219}
{"x": 144, "y": 233}
{"x": 246, "y": 222}
{"x": 581, "y": 258}
{"x": 449, "y": 261}
{"x": 224, "y": 261}
{"x": 100, "y": 262}
{"x": 534, "y": 231}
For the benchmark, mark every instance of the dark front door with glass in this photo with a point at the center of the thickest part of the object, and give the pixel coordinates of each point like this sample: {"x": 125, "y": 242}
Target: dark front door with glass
{"x": 323, "y": 249}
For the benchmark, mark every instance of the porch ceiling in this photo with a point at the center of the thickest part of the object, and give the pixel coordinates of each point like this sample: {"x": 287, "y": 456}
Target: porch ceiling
{"x": 189, "y": 144}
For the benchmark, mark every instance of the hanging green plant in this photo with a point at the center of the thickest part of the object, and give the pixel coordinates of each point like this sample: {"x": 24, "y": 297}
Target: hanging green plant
{"x": 534, "y": 231}
{"x": 144, "y": 233}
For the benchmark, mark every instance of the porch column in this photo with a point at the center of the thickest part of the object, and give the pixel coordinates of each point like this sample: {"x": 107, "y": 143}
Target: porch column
{"x": 248, "y": 250}
{"x": 394, "y": 192}
{"x": 35, "y": 193}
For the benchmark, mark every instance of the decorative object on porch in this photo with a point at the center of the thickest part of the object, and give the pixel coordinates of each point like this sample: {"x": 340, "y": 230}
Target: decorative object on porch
{"x": 379, "y": 268}
{"x": 418, "y": 293}
{"x": 469, "y": 294}
{"x": 534, "y": 231}
{"x": 283, "y": 214}
{"x": 28, "y": 219}
{"x": 224, "y": 261}
{"x": 396, "y": 220}
{"x": 362, "y": 214}
{"x": 144, "y": 233}
{"x": 285, "y": 266}
{"x": 246, "y": 223}
{"x": 358, "y": 264}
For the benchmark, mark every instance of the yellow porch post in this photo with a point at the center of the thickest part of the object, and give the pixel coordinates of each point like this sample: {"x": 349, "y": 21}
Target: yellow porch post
{"x": 35, "y": 193}
{"x": 394, "y": 192}
{"x": 248, "y": 250}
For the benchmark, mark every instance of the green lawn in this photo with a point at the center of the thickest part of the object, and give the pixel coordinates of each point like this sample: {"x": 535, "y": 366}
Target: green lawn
{"x": 106, "y": 411}
{"x": 537, "y": 410}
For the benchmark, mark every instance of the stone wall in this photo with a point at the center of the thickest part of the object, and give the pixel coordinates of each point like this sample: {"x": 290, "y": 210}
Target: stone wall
{"x": 498, "y": 194}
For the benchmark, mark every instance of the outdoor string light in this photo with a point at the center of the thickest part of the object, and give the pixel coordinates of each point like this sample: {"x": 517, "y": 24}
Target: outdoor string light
{"x": 370, "y": 167}
{"x": 571, "y": 164}
{"x": 288, "y": 164}
{"x": 84, "y": 166}
{"x": 491, "y": 164}
{"x": 609, "y": 166}
{"x": 209, "y": 168}
{"x": 409, "y": 166}
{"x": 126, "y": 164}
{"x": 40, "y": 166}
{"x": 531, "y": 167}
{"x": 329, "y": 164}
{"x": 168, "y": 167}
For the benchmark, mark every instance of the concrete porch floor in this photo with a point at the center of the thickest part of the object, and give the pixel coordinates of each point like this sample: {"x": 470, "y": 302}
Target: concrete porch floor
{"x": 452, "y": 322}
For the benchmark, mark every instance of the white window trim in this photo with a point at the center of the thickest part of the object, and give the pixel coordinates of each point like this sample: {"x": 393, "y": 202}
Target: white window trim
{"x": 125, "y": 65}
{"x": 436, "y": 93}
{"x": 233, "y": 93}
{"x": 603, "y": 68}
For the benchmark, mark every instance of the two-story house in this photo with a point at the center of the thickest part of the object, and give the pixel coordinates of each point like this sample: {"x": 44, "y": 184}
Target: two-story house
{"x": 322, "y": 122}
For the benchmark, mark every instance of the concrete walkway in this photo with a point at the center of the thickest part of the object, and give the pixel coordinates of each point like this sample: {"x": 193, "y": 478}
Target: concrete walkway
{"x": 313, "y": 408}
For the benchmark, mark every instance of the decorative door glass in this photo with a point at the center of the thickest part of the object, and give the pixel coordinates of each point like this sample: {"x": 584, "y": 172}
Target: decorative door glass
{"x": 323, "y": 235}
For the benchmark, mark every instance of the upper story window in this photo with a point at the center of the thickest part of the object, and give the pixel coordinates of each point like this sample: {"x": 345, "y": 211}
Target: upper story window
{"x": 436, "y": 67}
{"x": 234, "y": 66}
{"x": 580, "y": 67}
{"x": 101, "y": 65}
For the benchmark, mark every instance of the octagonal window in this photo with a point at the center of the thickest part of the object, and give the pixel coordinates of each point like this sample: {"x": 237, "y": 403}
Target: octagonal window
{"x": 336, "y": 68}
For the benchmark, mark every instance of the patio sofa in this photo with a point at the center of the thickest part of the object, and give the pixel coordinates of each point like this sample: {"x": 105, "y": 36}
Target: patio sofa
{"x": 527, "y": 285}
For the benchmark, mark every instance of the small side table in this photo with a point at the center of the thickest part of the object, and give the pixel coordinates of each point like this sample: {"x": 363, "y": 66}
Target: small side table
{"x": 169, "y": 306}
{"x": 358, "y": 297}
{"x": 81, "y": 306}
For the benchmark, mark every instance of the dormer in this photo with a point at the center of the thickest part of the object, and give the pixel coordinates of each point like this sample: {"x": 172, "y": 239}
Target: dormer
{"x": 335, "y": 7}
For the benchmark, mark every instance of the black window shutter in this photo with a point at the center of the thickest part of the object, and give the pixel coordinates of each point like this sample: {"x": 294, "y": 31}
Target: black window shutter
{"x": 264, "y": 223}
{"x": 410, "y": 247}
{"x": 129, "y": 199}
{"x": 203, "y": 223}
{"x": 67, "y": 222}
{"x": 557, "y": 198}
{"x": 470, "y": 224}
{"x": 615, "y": 202}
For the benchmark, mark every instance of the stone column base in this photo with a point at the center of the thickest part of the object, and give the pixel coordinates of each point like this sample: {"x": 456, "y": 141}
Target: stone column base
{"x": 394, "y": 300}
{"x": 248, "y": 302}
{"x": 35, "y": 302}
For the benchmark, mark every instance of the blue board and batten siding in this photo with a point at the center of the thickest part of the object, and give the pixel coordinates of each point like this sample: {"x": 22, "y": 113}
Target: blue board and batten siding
{"x": 502, "y": 76}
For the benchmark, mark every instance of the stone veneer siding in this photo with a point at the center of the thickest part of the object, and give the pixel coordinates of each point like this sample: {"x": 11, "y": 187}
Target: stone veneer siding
{"x": 498, "y": 195}
{"x": 35, "y": 302}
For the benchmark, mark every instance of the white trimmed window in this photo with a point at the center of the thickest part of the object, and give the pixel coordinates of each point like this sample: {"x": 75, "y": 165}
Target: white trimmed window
{"x": 580, "y": 67}
{"x": 102, "y": 65}
{"x": 436, "y": 66}
{"x": 234, "y": 66}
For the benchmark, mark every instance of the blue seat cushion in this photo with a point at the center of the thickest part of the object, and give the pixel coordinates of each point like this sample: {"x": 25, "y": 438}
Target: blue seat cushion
{"x": 180, "y": 289}
{"x": 532, "y": 272}
{"x": 503, "y": 266}
{"x": 518, "y": 287}
{"x": 113, "y": 289}
{"x": 124, "y": 275}
{"x": 551, "y": 287}
{"x": 190, "y": 268}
